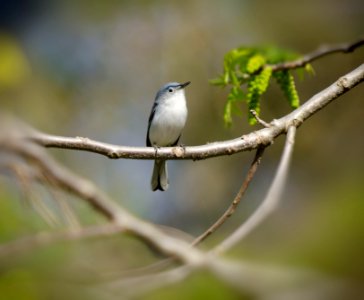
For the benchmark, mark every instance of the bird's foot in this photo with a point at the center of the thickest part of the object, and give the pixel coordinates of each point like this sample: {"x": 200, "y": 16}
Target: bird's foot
{"x": 155, "y": 150}
{"x": 183, "y": 146}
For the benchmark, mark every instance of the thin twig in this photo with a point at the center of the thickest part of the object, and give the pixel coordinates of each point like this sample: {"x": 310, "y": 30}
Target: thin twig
{"x": 270, "y": 202}
{"x": 26, "y": 176}
{"x": 145, "y": 283}
{"x": 259, "y": 120}
{"x": 32, "y": 195}
{"x": 320, "y": 52}
{"x": 231, "y": 209}
{"x": 262, "y": 281}
{"x": 67, "y": 212}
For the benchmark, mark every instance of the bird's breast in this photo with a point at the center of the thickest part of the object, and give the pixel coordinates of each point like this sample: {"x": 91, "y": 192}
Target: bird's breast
{"x": 168, "y": 121}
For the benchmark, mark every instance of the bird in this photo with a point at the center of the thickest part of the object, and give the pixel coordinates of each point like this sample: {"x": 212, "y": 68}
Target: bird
{"x": 166, "y": 122}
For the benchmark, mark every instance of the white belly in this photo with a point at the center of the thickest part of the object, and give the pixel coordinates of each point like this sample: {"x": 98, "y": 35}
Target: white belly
{"x": 168, "y": 121}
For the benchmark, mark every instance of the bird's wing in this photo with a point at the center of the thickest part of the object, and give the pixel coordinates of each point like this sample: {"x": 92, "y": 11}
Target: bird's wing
{"x": 152, "y": 113}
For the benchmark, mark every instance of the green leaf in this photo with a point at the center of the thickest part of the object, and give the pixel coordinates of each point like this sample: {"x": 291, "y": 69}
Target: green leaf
{"x": 219, "y": 81}
{"x": 309, "y": 69}
{"x": 306, "y": 69}
{"x": 236, "y": 94}
{"x": 227, "y": 114}
{"x": 276, "y": 55}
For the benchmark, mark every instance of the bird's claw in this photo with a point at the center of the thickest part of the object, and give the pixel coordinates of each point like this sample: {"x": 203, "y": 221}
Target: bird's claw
{"x": 155, "y": 150}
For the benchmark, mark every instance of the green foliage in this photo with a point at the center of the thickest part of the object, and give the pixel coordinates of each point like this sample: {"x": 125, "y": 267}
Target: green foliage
{"x": 257, "y": 85}
{"x": 287, "y": 84}
{"x": 250, "y": 69}
{"x": 235, "y": 96}
{"x": 254, "y": 64}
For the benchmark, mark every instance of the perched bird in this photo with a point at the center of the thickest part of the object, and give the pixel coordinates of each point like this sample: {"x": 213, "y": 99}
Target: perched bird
{"x": 166, "y": 122}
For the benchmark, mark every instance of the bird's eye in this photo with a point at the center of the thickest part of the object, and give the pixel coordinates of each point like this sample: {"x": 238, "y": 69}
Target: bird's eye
{"x": 170, "y": 90}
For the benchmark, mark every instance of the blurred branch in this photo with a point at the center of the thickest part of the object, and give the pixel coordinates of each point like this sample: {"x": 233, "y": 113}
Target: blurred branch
{"x": 227, "y": 214}
{"x": 142, "y": 284}
{"x": 45, "y": 238}
{"x": 320, "y": 52}
{"x": 122, "y": 221}
{"x": 270, "y": 202}
{"x": 246, "y": 142}
{"x": 11, "y": 141}
{"x": 64, "y": 178}
{"x": 231, "y": 209}
{"x": 260, "y": 281}
{"x": 25, "y": 176}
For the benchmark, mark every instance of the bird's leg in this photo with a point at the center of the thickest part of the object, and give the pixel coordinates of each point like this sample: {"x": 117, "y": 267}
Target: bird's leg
{"x": 183, "y": 146}
{"x": 155, "y": 150}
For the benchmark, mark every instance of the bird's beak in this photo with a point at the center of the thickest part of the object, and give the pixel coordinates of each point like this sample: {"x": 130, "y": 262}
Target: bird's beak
{"x": 183, "y": 85}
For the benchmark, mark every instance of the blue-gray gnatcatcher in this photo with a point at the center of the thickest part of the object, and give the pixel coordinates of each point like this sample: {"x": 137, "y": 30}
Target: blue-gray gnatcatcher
{"x": 166, "y": 121}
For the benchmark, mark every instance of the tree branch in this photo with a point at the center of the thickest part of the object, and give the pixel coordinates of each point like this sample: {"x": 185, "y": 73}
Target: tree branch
{"x": 270, "y": 202}
{"x": 218, "y": 223}
{"x": 68, "y": 181}
{"x": 246, "y": 142}
{"x": 125, "y": 222}
{"x": 320, "y": 52}
{"x": 231, "y": 209}
{"x": 65, "y": 179}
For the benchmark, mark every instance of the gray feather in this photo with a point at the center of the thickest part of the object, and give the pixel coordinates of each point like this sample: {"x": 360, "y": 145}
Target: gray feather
{"x": 160, "y": 176}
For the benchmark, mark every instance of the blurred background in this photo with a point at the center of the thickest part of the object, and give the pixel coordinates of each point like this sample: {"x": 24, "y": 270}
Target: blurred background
{"x": 92, "y": 69}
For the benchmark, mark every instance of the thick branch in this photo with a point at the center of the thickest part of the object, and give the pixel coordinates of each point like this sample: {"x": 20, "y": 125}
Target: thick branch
{"x": 322, "y": 51}
{"x": 246, "y": 142}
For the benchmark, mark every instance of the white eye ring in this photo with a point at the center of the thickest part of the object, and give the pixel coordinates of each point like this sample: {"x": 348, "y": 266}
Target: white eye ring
{"x": 170, "y": 90}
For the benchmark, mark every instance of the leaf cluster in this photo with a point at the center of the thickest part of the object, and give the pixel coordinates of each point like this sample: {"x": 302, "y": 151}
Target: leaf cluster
{"x": 248, "y": 72}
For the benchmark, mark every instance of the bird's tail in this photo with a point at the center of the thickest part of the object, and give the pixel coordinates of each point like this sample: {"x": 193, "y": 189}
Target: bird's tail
{"x": 160, "y": 176}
